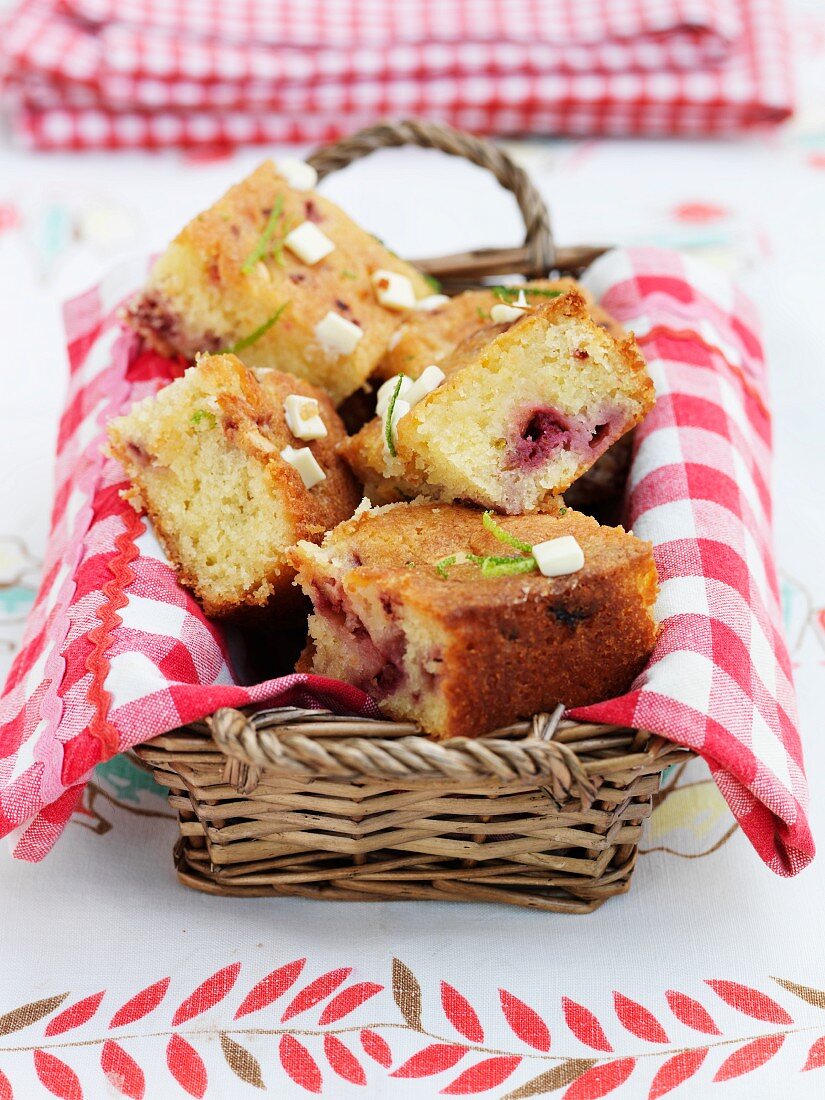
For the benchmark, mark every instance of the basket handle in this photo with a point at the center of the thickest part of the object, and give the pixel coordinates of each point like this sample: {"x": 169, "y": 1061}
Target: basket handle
{"x": 536, "y": 257}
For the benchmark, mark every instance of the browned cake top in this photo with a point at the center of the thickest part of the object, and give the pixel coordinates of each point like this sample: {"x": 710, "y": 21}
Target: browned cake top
{"x": 339, "y": 282}
{"x": 401, "y": 545}
{"x": 431, "y": 337}
{"x": 251, "y": 413}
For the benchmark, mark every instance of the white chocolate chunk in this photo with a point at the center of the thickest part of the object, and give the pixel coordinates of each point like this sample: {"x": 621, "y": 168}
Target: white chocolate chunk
{"x": 387, "y": 389}
{"x": 308, "y": 243}
{"x": 304, "y": 461}
{"x": 431, "y": 302}
{"x": 501, "y": 313}
{"x": 521, "y": 302}
{"x": 303, "y": 417}
{"x": 337, "y": 335}
{"x": 429, "y": 379}
{"x": 558, "y": 557}
{"x": 297, "y": 173}
{"x": 392, "y": 290}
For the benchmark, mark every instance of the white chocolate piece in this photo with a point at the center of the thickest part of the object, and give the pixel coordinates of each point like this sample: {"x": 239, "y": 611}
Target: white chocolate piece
{"x": 429, "y": 379}
{"x": 304, "y": 461}
{"x": 297, "y": 173}
{"x": 308, "y": 243}
{"x": 559, "y": 557}
{"x": 303, "y": 417}
{"x": 336, "y": 335}
{"x": 387, "y": 389}
{"x": 501, "y": 313}
{"x": 521, "y": 302}
{"x": 393, "y": 291}
{"x": 431, "y": 302}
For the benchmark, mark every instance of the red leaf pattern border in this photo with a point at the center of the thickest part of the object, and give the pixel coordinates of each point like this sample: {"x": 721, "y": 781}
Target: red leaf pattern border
{"x": 592, "y": 1055}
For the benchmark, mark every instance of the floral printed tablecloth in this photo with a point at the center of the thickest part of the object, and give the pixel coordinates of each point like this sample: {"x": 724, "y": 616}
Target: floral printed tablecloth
{"x": 115, "y": 980}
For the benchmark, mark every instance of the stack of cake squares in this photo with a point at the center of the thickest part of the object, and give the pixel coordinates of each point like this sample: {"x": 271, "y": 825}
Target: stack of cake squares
{"x": 392, "y": 470}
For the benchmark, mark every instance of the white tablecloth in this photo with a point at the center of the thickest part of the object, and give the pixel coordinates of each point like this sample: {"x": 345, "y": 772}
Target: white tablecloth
{"x": 104, "y": 912}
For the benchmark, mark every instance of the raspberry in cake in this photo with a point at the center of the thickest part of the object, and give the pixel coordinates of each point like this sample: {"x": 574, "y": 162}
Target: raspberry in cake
{"x": 233, "y": 470}
{"x": 442, "y": 615}
{"x": 521, "y": 414}
{"x": 267, "y": 250}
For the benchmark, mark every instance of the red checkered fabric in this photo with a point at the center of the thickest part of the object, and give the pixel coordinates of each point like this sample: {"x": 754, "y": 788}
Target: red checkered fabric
{"x": 90, "y": 74}
{"x": 116, "y": 652}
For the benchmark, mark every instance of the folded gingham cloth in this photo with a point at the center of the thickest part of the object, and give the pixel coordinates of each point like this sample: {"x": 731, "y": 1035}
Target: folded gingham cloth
{"x": 90, "y": 74}
{"x": 116, "y": 652}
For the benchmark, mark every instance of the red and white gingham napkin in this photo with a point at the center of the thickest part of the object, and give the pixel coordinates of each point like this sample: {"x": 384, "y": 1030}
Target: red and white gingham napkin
{"x": 116, "y": 652}
{"x": 88, "y": 74}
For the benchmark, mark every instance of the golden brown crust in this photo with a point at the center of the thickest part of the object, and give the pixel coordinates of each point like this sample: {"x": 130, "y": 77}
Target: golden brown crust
{"x": 516, "y": 644}
{"x": 248, "y": 412}
{"x": 199, "y": 298}
{"x": 428, "y": 338}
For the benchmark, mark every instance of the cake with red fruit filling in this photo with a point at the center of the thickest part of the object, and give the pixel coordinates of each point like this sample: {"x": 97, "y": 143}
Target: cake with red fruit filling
{"x": 464, "y": 623}
{"x": 431, "y": 333}
{"x": 233, "y": 470}
{"x": 511, "y": 418}
{"x": 280, "y": 276}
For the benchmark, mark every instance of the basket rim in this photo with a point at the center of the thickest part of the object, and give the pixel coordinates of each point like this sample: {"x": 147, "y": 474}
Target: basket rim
{"x": 292, "y": 743}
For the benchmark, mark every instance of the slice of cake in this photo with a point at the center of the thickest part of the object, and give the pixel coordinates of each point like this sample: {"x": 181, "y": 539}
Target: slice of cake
{"x": 279, "y": 276}
{"x": 233, "y": 470}
{"x": 443, "y": 615}
{"x": 430, "y": 335}
{"x": 521, "y": 412}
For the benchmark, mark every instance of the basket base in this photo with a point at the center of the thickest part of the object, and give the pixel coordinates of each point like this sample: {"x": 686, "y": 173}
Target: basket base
{"x": 356, "y": 884}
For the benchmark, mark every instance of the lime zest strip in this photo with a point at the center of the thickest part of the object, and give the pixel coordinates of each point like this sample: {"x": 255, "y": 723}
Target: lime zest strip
{"x": 259, "y": 251}
{"x": 253, "y": 337}
{"x": 507, "y": 567}
{"x": 444, "y": 564}
{"x": 504, "y": 536}
{"x": 390, "y": 411}
{"x": 510, "y": 293}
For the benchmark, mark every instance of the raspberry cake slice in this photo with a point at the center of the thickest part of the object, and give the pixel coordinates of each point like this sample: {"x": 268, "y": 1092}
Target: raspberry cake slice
{"x": 281, "y": 276}
{"x": 523, "y": 411}
{"x": 428, "y": 610}
{"x": 233, "y": 470}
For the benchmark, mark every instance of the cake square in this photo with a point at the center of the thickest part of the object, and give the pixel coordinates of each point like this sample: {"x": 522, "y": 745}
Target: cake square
{"x": 205, "y": 460}
{"x": 526, "y": 408}
{"x": 406, "y": 609}
{"x": 428, "y": 337}
{"x": 238, "y": 265}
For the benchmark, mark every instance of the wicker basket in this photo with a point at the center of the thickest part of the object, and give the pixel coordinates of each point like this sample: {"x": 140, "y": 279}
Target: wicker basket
{"x": 545, "y": 814}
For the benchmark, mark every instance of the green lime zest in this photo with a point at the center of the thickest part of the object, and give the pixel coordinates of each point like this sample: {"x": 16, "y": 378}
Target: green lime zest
{"x": 432, "y": 282}
{"x": 507, "y": 567}
{"x": 200, "y": 415}
{"x": 259, "y": 251}
{"x": 444, "y": 564}
{"x": 390, "y": 410}
{"x": 510, "y": 293}
{"x": 483, "y": 315}
{"x": 346, "y": 274}
{"x": 504, "y": 536}
{"x": 253, "y": 337}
